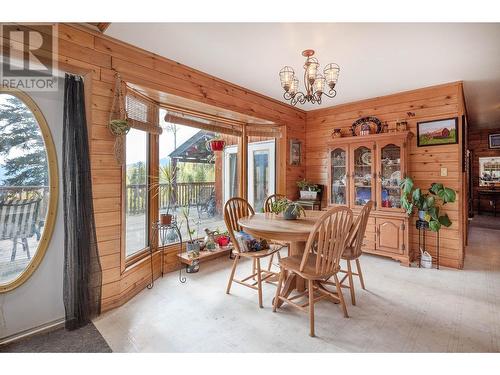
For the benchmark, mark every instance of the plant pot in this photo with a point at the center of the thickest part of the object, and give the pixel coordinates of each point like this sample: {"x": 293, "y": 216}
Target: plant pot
{"x": 288, "y": 214}
{"x": 165, "y": 219}
{"x": 193, "y": 247}
{"x": 306, "y": 194}
{"x": 216, "y": 145}
{"x": 421, "y": 215}
{"x": 223, "y": 240}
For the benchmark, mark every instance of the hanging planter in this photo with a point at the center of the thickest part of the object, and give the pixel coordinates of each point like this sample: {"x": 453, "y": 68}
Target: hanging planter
{"x": 118, "y": 123}
{"x": 119, "y": 127}
{"x": 216, "y": 144}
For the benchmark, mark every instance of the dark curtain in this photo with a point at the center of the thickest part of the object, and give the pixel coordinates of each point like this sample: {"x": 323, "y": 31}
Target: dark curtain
{"x": 82, "y": 269}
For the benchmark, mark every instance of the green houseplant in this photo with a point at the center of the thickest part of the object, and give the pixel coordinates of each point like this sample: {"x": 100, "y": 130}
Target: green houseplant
{"x": 291, "y": 210}
{"x": 193, "y": 245}
{"x": 166, "y": 176}
{"x": 428, "y": 204}
{"x": 307, "y": 190}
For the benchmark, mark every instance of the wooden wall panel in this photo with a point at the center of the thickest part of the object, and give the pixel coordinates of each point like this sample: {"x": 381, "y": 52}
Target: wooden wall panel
{"x": 478, "y": 145}
{"x": 424, "y": 162}
{"x": 83, "y": 51}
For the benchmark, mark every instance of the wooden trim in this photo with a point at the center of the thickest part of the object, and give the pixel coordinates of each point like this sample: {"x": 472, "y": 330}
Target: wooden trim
{"x": 243, "y": 162}
{"x": 103, "y": 26}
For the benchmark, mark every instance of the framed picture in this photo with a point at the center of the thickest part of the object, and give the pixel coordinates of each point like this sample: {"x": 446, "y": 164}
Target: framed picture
{"x": 437, "y": 132}
{"x": 295, "y": 151}
{"x": 494, "y": 140}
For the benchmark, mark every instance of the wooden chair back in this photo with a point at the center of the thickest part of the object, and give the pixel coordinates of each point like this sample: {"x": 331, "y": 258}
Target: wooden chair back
{"x": 328, "y": 240}
{"x": 270, "y": 200}
{"x": 234, "y": 209}
{"x": 358, "y": 229}
{"x": 18, "y": 218}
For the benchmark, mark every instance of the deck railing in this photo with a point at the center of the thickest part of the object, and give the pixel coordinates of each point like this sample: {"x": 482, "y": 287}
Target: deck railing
{"x": 186, "y": 193}
{"x": 28, "y": 192}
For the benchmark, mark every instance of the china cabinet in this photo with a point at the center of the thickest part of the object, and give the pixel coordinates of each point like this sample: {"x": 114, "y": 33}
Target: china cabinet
{"x": 367, "y": 168}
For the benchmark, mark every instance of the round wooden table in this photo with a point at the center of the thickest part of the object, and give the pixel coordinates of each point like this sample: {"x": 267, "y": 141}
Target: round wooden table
{"x": 293, "y": 232}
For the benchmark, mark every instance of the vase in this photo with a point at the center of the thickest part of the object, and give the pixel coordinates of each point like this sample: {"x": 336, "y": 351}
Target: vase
{"x": 288, "y": 214}
{"x": 421, "y": 215}
{"x": 337, "y": 133}
{"x": 165, "y": 219}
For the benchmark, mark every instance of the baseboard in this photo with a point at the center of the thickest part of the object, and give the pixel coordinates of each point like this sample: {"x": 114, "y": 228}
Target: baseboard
{"x": 51, "y": 326}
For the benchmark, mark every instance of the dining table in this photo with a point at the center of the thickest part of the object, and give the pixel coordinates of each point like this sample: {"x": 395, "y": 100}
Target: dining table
{"x": 294, "y": 233}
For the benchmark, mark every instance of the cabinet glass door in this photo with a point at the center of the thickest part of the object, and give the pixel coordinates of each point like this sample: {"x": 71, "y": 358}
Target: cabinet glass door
{"x": 390, "y": 176}
{"x": 362, "y": 175}
{"x": 338, "y": 173}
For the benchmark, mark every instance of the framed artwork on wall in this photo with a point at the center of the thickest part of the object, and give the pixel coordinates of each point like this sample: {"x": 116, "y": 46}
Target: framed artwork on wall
{"x": 295, "y": 152}
{"x": 437, "y": 132}
{"x": 494, "y": 140}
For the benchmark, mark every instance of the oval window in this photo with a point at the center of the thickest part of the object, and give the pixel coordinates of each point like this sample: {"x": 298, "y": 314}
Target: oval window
{"x": 28, "y": 187}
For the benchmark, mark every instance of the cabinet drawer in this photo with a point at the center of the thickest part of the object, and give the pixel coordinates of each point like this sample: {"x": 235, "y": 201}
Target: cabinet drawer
{"x": 390, "y": 235}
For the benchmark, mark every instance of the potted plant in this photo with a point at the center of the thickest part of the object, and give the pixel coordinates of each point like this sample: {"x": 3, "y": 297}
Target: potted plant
{"x": 427, "y": 204}
{"x": 291, "y": 210}
{"x": 216, "y": 143}
{"x": 193, "y": 245}
{"x": 308, "y": 190}
{"x": 167, "y": 176}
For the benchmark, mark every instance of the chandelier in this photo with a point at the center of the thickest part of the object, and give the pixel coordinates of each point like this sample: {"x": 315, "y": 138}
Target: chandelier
{"x": 314, "y": 81}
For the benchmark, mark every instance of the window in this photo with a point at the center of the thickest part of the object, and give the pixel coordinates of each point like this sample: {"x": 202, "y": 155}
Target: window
{"x": 136, "y": 192}
{"x": 28, "y": 187}
{"x": 191, "y": 179}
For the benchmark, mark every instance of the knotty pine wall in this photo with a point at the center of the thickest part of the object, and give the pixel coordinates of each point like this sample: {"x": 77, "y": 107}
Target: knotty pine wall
{"x": 430, "y": 103}
{"x": 97, "y": 57}
{"x": 478, "y": 145}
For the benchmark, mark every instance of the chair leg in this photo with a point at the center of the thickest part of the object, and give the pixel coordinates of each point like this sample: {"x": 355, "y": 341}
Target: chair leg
{"x": 311, "y": 307}
{"x": 26, "y": 247}
{"x": 14, "y": 249}
{"x": 231, "y": 277}
{"x": 278, "y": 290}
{"x": 259, "y": 282}
{"x": 351, "y": 283}
{"x": 341, "y": 296}
{"x": 253, "y": 267}
{"x": 358, "y": 266}
{"x": 271, "y": 261}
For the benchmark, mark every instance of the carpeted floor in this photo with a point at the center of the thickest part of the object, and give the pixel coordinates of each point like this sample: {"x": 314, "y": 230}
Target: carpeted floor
{"x": 84, "y": 340}
{"x": 485, "y": 221}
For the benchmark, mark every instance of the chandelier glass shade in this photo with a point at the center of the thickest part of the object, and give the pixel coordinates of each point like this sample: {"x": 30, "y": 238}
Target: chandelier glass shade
{"x": 315, "y": 83}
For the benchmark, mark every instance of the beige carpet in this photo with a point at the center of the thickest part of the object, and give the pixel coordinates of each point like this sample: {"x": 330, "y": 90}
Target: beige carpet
{"x": 403, "y": 310}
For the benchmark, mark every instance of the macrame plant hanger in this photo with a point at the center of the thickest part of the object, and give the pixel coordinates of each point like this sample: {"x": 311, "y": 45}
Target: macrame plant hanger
{"x": 118, "y": 121}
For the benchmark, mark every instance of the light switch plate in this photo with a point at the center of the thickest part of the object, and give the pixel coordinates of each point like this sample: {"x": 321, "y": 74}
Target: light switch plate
{"x": 444, "y": 172}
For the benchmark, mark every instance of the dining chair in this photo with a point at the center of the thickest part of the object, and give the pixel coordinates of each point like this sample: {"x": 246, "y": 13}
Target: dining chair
{"x": 320, "y": 262}
{"x": 353, "y": 251}
{"x": 268, "y": 208}
{"x": 234, "y": 209}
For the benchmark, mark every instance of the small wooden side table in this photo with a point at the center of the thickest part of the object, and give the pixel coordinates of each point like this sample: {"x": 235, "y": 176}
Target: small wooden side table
{"x": 312, "y": 204}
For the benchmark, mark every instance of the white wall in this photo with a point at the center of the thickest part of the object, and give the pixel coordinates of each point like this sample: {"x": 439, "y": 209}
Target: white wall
{"x": 39, "y": 300}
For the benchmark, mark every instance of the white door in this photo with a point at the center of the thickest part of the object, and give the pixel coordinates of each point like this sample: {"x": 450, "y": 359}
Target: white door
{"x": 261, "y": 172}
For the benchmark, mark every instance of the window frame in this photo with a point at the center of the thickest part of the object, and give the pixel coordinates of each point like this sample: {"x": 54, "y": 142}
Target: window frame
{"x": 53, "y": 190}
{"x": 153, "y": 172}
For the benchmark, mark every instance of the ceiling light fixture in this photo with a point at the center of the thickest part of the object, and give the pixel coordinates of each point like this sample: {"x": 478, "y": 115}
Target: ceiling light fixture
{"x": 314, "y": 82}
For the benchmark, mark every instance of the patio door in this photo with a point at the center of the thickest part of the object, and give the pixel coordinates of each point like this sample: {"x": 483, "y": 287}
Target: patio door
{"x": 261, "y": 172}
